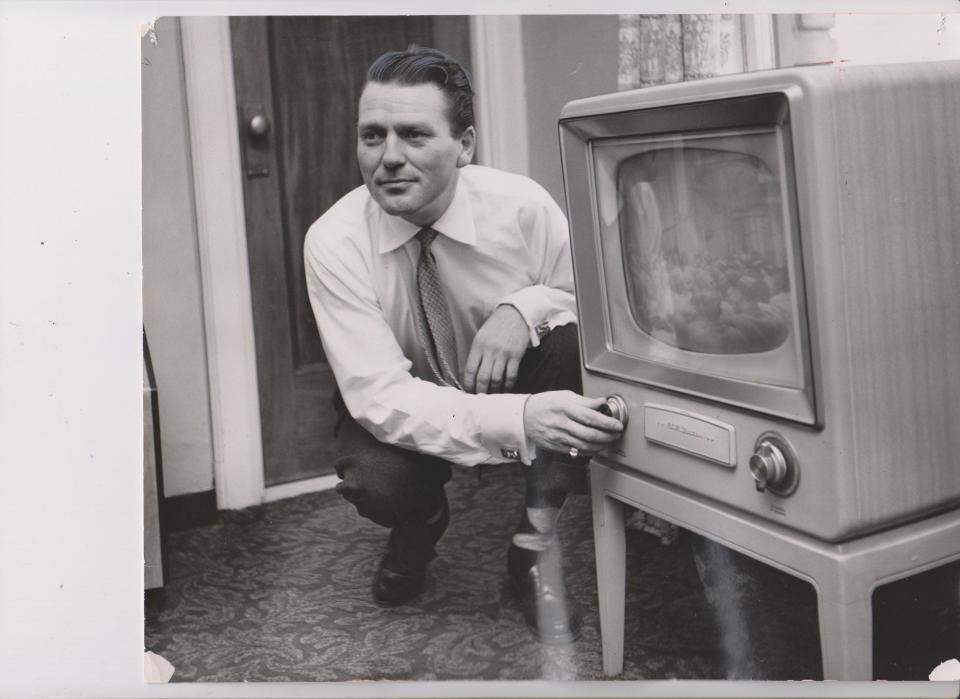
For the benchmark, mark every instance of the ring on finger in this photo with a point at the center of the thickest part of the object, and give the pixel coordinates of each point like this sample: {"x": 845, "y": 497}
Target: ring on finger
{"x": 574, "y": 452}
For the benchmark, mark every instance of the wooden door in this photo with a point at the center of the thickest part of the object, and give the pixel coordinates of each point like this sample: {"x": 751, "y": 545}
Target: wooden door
{"x": 298, "y": 80}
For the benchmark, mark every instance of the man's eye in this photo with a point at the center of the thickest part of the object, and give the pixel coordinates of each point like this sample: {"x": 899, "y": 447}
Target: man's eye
{"x": 416, "y": 135}
{"x": 370, "y": 138}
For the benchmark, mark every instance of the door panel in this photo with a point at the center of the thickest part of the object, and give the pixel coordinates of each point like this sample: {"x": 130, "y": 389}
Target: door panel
{"x": 319, "y": 64}
{"x": 298, "y": 80}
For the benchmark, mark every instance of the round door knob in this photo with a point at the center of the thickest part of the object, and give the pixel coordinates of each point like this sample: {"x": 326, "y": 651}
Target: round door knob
{"x": 768, "y": 466}
{"x": 615, "y": 407}
{"x": 259, "y": 125}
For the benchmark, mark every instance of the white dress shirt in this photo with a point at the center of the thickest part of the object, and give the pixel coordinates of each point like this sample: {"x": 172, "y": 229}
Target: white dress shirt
{"x": 503, "y": 241}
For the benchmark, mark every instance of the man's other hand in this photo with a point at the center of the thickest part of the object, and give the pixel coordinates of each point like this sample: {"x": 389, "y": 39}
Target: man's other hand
{"x": 497, "y": 349}
{"x": 559, "y": 420}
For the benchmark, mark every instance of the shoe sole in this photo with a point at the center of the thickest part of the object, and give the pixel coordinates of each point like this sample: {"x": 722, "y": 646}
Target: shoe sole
{"x": 390, "y": 604}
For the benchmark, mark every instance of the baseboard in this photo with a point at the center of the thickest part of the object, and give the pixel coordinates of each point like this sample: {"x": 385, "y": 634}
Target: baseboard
{"x": 189, "y": 511}
{"x": 294, "y": 488}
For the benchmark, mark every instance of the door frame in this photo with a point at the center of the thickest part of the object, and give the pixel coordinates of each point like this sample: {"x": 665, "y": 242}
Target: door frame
{"x": 496, "y": 49}
{"x": 221, "y": 230}
{"x": 224, "y": 274}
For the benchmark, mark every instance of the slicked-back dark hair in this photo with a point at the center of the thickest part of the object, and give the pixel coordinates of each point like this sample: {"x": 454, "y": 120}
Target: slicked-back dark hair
{"x": 420, "y": 64}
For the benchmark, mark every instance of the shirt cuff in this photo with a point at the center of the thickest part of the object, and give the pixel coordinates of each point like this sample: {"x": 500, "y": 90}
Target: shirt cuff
{"x": 503, "y": 433}
{"x": 530, "y": 303}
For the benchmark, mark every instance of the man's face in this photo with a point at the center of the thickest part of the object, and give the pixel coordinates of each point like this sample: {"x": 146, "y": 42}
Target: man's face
{"x": 408, "y": 156}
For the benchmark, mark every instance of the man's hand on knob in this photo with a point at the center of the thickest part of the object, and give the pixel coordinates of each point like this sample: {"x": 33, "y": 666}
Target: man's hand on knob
{"x": 559, "y": 421}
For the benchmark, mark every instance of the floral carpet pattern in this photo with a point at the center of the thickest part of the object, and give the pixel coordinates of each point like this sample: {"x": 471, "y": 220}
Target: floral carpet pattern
{"x": 281, "y": 592}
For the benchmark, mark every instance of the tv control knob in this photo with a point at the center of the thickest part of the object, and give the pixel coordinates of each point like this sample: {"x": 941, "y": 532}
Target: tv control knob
{"x": 774, "y": 465}
{"x": 768, "y": 466}
{"x": 615, "y": 407}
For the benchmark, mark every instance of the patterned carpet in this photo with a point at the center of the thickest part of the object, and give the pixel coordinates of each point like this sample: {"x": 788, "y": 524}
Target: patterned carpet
{"x": 282, "y": 592}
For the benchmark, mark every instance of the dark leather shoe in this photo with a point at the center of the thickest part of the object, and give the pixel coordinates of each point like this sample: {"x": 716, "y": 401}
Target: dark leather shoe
{"x": 537, "y": 582}
{"x": 402, "y": 573}
{"x": 393, "y": 588}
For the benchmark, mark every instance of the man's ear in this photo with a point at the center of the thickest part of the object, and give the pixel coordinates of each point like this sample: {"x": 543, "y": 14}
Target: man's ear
{"x": 468, "y": 144}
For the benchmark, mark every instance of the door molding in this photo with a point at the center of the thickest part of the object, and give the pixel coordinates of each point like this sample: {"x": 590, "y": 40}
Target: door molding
{"x": 224, "y": 270}
{"x": 496, "y": 44}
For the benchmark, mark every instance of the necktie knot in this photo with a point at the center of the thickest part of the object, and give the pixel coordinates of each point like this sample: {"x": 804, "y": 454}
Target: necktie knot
{"x": 426, "y": 236}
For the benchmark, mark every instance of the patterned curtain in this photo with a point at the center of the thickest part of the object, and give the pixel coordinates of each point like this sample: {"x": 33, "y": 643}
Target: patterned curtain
{"x": 659, "y": 49}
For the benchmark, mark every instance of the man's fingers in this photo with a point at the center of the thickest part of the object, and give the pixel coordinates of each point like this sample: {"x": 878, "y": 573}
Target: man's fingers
{"x": 590, "y": 436}
{"x": 470, "y": 369}
{"x": 592, "y": 418}
{"x": 496, "y": 375}
{"x": 483, "y": 375}
{"x": 567, "y": 433}
{"x": 584, "y": 448}
{"x": 512, "y": 371}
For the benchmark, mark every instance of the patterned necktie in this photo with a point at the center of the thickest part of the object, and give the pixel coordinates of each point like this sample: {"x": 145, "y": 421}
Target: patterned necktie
{"x": 434, "y": 323}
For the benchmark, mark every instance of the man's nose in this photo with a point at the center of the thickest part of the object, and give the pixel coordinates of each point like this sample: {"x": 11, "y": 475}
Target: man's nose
{"x": 392, "y": 152}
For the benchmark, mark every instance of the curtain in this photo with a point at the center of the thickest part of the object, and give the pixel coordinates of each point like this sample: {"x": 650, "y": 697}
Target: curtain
{"x": 659, "y": 49}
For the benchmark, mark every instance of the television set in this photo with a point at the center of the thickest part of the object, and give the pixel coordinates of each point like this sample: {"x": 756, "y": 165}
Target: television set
{"x": 767, "y": 272}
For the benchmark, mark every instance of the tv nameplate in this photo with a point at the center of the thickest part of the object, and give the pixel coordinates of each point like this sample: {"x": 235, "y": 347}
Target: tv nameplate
{"x": 691, "y": 433}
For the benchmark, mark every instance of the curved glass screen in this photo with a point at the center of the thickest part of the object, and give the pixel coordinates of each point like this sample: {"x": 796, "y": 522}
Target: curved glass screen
{"x": 699, "y": 253}
{"x": 704, "y": 251}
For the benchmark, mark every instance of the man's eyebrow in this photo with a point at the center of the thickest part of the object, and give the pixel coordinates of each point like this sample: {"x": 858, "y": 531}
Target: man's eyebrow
{"x": 421, "y": 125}
{"x": 370, "y": 126}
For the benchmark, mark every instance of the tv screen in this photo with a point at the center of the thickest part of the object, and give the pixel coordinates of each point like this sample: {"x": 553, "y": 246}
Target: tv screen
{"x": 700, "y": 225}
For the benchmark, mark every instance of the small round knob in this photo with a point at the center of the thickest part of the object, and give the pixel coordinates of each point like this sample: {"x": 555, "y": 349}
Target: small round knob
{"x": 615, "y": 407}
{"x": 768, "y": 466}
{"x": 259, "y": 125}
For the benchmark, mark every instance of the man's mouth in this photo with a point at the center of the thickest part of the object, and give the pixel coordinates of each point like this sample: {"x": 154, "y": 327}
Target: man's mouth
{"x": 394, "y": 182}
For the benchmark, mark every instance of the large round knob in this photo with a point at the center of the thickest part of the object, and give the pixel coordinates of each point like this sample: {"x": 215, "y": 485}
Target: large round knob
{"x": 769, "y": 466}
{"x": 615, "y": 407}
{"x": 259, "y": 125}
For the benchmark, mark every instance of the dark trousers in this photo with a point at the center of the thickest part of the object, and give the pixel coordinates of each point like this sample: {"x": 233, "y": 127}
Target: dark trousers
{"x": 394, "y": 486}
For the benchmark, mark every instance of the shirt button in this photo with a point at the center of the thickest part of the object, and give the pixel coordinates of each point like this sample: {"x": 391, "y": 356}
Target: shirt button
{"x": 509, "y": 453}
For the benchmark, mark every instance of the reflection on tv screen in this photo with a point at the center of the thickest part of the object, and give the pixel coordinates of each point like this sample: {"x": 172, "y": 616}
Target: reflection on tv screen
{"x": 704, "y": 250}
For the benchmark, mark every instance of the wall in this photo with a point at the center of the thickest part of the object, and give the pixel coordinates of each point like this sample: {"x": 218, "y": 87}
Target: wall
{"x": 896, "y": 38}
{"x": 565, "y": 57}
{"x": 867, "y": 38}
{"x": 172, "y": 302}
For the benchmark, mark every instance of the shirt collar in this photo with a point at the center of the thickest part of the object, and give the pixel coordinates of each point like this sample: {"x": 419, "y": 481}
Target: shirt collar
{"x": 456, "y": 223}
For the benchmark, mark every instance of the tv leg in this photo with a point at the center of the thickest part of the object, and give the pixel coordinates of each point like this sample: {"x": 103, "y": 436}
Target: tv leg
{"x": 846, "y": 634}
{"x": 610, "y": 543}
